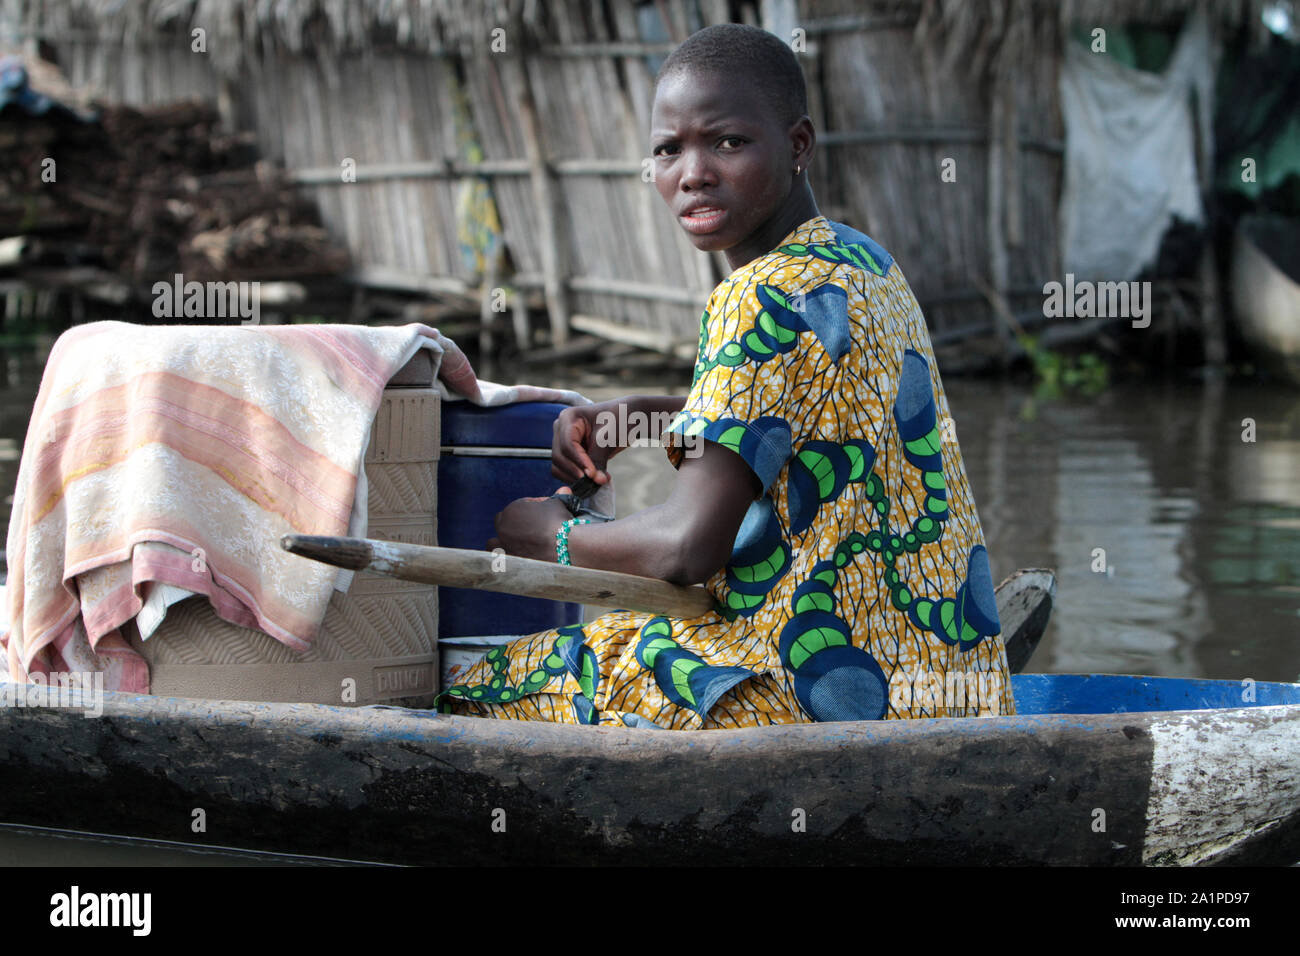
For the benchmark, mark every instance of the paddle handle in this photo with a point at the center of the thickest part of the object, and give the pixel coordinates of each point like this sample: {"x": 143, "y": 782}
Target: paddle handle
{"x": 486, "y": 571}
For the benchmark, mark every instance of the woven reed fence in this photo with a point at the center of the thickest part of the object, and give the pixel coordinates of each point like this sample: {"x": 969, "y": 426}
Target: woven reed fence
{"x": 415, "y": 93}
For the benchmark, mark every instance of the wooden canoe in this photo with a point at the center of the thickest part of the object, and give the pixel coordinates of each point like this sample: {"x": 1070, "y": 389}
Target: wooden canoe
{"x": 1093, "y": 770}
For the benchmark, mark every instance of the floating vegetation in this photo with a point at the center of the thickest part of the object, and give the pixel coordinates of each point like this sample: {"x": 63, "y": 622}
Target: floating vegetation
{"x": 1057, "y": 374}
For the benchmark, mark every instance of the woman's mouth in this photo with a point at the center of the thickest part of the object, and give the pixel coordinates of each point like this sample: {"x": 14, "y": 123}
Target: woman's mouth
{"x": 702, "y": 219}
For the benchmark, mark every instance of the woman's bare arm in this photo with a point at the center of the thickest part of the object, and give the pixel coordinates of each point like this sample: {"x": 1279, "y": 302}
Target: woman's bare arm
{"x": 684, "y": 540}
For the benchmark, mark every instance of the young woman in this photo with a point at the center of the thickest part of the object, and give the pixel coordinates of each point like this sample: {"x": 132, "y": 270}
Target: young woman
{"x": 827, "y": 508}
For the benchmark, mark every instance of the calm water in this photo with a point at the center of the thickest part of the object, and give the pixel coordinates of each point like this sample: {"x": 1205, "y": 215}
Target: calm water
{"x": 1200, "y": 529}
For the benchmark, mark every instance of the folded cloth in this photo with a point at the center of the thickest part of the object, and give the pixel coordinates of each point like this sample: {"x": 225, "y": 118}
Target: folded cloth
{"x": 171, "y": 460}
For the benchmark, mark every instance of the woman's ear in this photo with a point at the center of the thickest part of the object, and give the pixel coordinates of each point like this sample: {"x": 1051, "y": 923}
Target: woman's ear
{"x": 803, "y": 139}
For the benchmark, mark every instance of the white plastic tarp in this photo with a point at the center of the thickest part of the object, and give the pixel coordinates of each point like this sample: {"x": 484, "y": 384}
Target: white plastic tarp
{"x": 1130, "y": 154}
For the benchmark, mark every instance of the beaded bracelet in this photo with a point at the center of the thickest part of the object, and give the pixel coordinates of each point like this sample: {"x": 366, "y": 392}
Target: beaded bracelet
{"x": 562, "y": 539}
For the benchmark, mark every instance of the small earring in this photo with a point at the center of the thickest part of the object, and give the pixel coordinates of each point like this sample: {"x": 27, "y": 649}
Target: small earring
{"x": 798, "y": 170}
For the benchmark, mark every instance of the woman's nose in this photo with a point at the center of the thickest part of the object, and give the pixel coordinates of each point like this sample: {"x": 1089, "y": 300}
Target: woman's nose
{"x": 696, "y": 172}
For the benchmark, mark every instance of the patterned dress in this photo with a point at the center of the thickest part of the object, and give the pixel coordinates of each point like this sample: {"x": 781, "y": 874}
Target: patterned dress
{"x": 858, "y": 587}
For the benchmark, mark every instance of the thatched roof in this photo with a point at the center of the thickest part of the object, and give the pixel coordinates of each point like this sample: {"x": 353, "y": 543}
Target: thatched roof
{"x": 1095, "y": 12}
{"x": 965, "y": 30}
{"x": 998, "y": 15}
{"x": 234, "y": 27}
{"x": 440, "y": 26}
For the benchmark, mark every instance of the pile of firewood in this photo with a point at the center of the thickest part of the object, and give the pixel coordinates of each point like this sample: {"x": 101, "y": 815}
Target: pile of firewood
{"x": 146, "y": 194}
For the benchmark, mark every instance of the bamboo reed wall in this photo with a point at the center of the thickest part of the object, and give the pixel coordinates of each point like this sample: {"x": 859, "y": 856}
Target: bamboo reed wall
{"x": 896, "y": 87}
{"x": 896, "y": 112}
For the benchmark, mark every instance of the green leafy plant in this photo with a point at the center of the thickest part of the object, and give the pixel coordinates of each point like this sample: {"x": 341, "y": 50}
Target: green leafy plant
{"x": 1057, "y": 374}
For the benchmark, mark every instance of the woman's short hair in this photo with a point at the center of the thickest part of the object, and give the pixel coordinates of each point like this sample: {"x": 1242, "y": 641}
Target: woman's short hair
{"x": 734, "y": 50}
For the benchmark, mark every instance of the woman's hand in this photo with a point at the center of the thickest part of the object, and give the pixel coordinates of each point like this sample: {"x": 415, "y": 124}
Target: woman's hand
{"x": 581, "y": 447}
{"x": 574, "y": 452}
{"x": 526, "y": 527}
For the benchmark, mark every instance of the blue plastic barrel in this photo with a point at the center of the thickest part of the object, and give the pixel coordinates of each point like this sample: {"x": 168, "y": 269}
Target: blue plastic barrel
{"x": 490, "y": 457}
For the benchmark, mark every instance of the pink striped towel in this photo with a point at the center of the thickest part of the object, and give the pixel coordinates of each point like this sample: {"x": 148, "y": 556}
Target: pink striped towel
{"x": 179, "y": 455}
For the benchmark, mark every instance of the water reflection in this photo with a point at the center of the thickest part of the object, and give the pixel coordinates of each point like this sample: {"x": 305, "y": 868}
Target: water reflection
{"x": 1199, "y": 530}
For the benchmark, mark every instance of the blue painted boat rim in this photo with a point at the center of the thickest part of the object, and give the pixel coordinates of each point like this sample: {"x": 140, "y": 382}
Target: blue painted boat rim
{"x": 1127, "y": 693}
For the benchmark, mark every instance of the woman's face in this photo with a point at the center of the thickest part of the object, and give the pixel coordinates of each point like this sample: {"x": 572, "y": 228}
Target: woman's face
{"x": 722, "y": 161}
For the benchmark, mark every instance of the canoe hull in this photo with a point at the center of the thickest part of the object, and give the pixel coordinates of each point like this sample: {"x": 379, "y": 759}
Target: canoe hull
{"x": 1265, "y": 298}
{"x": 412, "y": 787}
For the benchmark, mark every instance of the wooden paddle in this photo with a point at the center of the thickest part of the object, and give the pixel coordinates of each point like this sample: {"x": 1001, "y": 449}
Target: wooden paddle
{"x": 1024, "y": 599}
{"x": 458, "y": 568}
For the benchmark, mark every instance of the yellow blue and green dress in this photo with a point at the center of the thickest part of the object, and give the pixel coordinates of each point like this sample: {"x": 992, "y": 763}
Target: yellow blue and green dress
{"x": 859, "y": 587}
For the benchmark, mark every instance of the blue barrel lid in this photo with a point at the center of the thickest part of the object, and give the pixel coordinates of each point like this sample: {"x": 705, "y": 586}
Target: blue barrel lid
{"x": 521, "y": 425}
